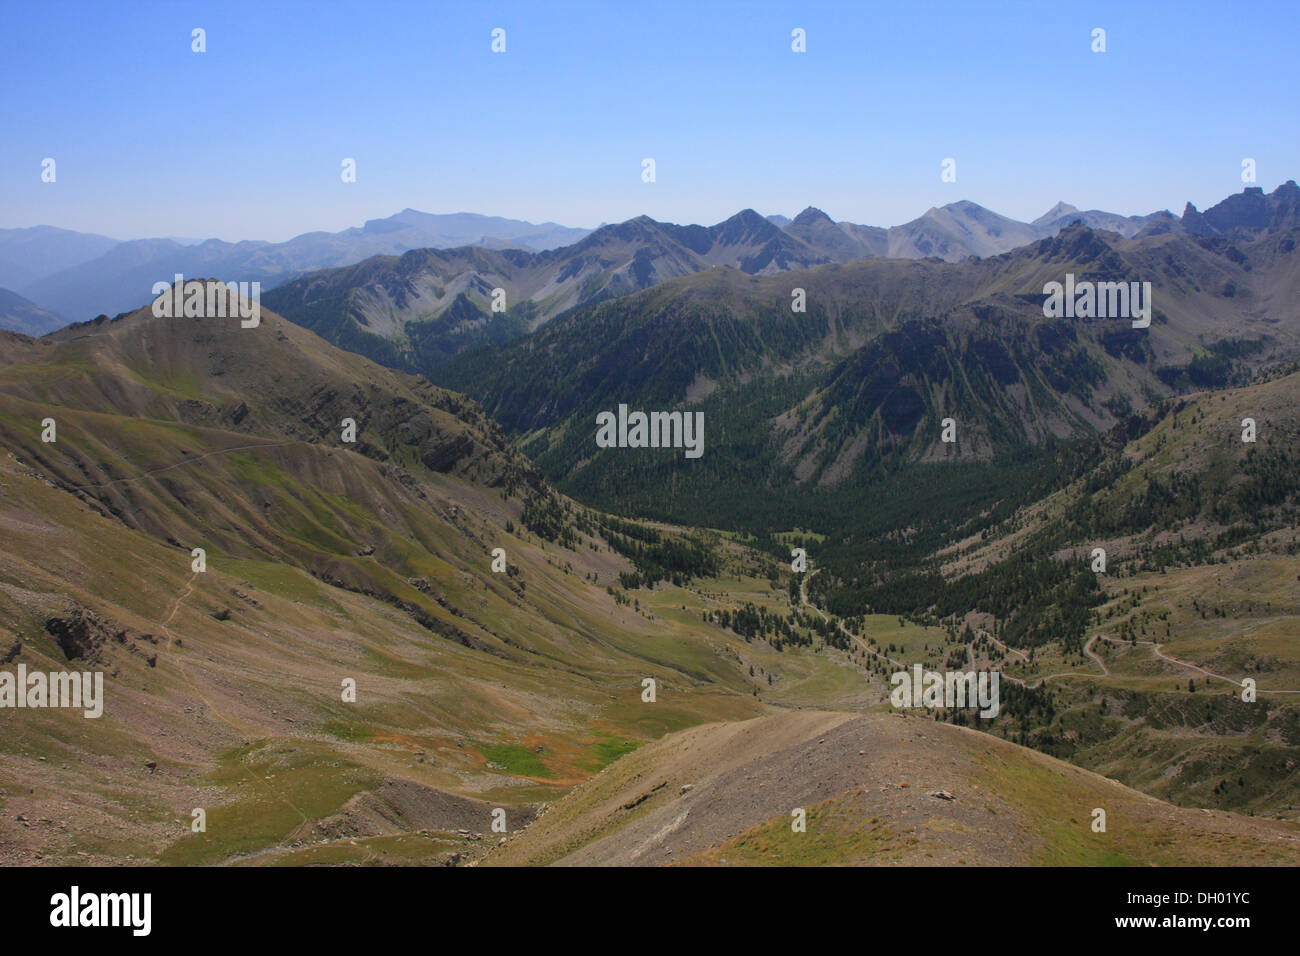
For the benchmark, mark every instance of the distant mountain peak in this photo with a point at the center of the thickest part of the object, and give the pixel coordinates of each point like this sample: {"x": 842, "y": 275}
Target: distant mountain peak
{"x": 746, "y": 217}
{"x": 744, "y": 226}
{"x": 810, "y": 216}
{"x": 1056, "y": 212}
{"x": 960, "y": 207}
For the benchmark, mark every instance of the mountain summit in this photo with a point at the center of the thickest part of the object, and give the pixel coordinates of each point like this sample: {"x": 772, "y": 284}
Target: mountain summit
{"x": 1055, "y": 213}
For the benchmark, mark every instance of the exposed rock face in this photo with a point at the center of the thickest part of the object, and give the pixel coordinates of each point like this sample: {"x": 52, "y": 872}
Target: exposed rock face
{"x": 445, "y": 456}
{"x": 1193, "y": 221}
{"x": 1251, "y": 210}
{"x": 82, "y": 634}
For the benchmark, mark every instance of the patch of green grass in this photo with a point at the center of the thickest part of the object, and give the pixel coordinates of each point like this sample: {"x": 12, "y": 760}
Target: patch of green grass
{"x": 516, "y": 760}
{"x": 282, "y": 581}
{"x": 797, "y": 535}
{"x": 606, "y": 751}
{"x": 278, "y": 793}
{"x": 347, "y": 730}
{"x": 651, "y": 721}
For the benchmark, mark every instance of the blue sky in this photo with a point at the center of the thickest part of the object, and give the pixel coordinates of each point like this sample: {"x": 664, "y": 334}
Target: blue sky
{"x": 246, "y": 140}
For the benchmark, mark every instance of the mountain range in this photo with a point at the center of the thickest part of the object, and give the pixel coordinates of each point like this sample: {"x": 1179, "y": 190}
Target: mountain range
{"x": 77, "y": 276}
{"x": 816, "y": 406}
{"x": 80, "y": 275}
{"x": 418, "y": 310}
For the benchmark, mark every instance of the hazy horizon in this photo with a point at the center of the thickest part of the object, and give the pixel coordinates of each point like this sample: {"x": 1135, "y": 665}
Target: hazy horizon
{"x": 246, "y": 140}
{"x": 192, "y": 240}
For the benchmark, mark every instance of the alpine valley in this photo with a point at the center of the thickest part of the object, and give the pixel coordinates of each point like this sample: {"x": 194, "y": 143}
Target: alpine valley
{"x": 561, "y": 650}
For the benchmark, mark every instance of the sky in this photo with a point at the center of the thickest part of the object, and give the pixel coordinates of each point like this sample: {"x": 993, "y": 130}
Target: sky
{"x": 247, "y": 139}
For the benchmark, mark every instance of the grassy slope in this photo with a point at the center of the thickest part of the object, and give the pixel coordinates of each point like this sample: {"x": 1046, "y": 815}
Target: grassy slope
{"x": 695, "y": 798}
{"x": 513, "y": 689}
{"x": 503, "y": 690}
{"x": 1232, "y": 612}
